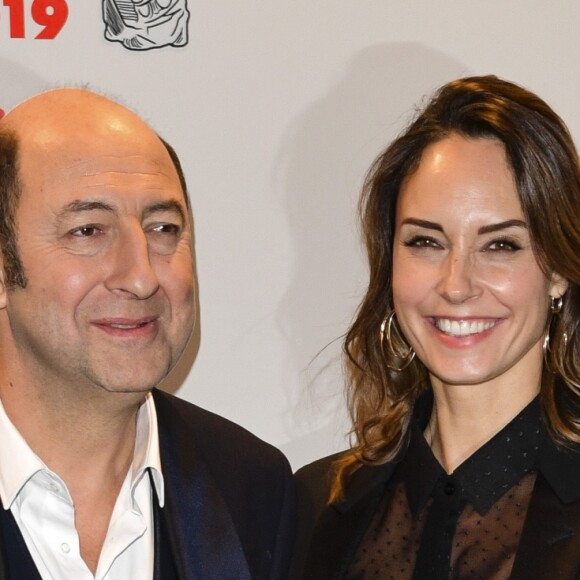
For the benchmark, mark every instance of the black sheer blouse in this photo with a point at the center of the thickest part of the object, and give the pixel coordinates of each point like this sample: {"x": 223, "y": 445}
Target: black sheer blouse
{"x": 467, "y": 525}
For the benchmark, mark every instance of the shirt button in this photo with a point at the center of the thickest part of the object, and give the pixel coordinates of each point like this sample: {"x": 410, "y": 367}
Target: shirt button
{"x": 449, "y": 488}
{"x": 53, "y": 487}
{"x": 65, "y": 548}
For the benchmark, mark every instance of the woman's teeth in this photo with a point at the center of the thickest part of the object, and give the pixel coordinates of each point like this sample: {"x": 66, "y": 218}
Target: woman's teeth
{"x": 463, "y": 327}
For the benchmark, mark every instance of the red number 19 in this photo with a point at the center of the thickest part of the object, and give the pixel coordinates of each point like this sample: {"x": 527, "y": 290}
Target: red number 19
{"x": 16, "y": 8}
{"x": 51, "y": 14}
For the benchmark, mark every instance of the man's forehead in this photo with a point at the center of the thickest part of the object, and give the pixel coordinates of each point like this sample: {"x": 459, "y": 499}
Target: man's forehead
{"x": 94, "y": 161}
{"x": 93, "y": 171}
{"x": 77, "y": 133}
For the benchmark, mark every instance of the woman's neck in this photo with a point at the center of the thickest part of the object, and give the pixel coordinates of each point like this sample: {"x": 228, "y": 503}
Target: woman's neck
{"x": 465, "y": 417}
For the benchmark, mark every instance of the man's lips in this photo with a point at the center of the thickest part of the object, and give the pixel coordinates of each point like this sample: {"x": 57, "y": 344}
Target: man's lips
{"x": 127, "y": 326}
{"x": 464, "y": 327}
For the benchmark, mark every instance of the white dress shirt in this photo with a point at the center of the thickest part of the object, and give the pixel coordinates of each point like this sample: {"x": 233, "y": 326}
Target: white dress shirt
{"x": 44, "y": 510}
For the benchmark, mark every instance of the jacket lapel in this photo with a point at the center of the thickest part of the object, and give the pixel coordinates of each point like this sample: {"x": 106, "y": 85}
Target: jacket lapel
{"x": 550, "y": 543}
{"x": 201, "y": 533}
{"x": 341, "y": 526}
{"x": 3, "y": 554}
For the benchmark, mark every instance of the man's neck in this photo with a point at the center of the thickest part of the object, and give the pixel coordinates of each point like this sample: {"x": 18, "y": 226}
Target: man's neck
{"x": 76, "y": 435}
{"x": 87, "y": 441}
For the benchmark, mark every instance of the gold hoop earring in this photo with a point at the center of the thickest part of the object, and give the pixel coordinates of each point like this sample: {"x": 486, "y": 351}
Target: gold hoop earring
{"x": 387, "y": 336}
{"x": 554, "y": 360}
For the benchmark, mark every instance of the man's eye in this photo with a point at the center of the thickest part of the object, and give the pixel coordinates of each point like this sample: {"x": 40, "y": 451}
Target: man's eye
{"x": 172, "y": 229}
{"x": 85, "y": 231}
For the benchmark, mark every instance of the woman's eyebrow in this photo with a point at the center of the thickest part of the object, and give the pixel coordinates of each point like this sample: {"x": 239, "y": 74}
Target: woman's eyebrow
{"x": 482, "y": 230}
{"x": 502, "y": 226}
{"x": 423, "y": 224}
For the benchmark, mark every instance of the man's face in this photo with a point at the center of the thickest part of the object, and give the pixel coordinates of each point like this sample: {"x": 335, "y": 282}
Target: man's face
{"x": 105, "y": 241}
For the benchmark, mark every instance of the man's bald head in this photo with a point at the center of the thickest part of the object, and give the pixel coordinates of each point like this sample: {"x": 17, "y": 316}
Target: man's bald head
{"x": 55, "y": 121}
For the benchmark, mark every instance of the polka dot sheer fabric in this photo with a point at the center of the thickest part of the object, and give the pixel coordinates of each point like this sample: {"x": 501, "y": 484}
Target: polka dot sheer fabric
{"x": 483, "y": 545}
{"x": 431, "y": 525}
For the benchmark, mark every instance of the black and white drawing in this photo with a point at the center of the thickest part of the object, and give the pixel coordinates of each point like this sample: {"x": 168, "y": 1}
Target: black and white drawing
{"x": 146, "y": 24}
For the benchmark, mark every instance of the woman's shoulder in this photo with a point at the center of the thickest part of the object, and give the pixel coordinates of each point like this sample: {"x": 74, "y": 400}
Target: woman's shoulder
{"x": 313, "y": 483}
{"x": 318, "y": 474}
{"x": 560, "y": 466}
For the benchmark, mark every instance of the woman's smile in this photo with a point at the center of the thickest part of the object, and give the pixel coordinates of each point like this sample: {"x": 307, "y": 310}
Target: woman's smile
{"x": 469, "y": 295}
{"x": 454, "y": 327}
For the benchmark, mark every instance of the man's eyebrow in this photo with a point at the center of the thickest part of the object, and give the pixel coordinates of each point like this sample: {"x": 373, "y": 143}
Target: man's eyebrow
{"x": 78, "y": 205}
{"x": 502, "y": 226}
{"x": 423, "y": 224}
{"x": 170, "y": 205}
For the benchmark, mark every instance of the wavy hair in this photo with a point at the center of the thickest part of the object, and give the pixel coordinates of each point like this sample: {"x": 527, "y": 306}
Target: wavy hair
{"x": 543, "y": 160}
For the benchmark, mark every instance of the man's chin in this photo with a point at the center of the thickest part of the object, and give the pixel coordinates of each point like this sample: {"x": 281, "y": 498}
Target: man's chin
{"x": 130, "y": 385}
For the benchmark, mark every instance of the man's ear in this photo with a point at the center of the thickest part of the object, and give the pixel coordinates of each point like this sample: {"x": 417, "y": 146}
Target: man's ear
{"x": 558, "y": 286}
{"x": 3, "y": 296}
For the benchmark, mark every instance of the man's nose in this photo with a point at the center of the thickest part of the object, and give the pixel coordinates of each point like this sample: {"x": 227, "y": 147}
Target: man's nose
{"x": 131, "y": 271}
{"x": 458, "y": 281}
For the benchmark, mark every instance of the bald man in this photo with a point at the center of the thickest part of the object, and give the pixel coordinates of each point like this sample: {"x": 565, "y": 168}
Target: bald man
{"x": 101, "y": 475}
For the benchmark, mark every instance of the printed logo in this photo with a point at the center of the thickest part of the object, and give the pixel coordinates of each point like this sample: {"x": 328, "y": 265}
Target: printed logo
{"x": 146, "y": 24}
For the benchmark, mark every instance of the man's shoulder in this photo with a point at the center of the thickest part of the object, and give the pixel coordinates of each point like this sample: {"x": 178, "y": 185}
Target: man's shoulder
{"x": 218, "y": 439}
{"x": 249, "y": 477}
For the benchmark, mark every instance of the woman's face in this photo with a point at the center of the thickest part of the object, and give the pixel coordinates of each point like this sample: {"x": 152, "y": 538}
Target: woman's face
{"x": 468, "y": 292}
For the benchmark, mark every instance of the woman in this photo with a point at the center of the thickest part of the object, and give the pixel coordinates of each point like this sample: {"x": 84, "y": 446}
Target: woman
{"x": 464, "y": 357}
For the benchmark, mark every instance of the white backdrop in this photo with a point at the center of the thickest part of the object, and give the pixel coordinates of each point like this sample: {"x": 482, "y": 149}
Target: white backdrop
{"x": 277, "y": 108}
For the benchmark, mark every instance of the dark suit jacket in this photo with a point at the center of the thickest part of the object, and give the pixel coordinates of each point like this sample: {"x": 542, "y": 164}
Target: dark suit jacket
{"x": 229, "y": 497}
{"x": 328, "y": 536}
{"x": 229, "y": 503}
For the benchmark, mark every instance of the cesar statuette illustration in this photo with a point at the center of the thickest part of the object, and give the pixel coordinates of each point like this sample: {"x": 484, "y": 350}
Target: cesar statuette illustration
{"x": 146, "y": 24}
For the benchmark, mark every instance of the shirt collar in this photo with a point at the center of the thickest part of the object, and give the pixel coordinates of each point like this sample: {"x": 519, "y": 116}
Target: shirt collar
{"x": 18, "y": 463}
{"x": 487, "y": 474}
{"x": 147, "y": 456}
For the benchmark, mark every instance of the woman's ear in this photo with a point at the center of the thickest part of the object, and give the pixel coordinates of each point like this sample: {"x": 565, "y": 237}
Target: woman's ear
{"x": 558, "y": 286}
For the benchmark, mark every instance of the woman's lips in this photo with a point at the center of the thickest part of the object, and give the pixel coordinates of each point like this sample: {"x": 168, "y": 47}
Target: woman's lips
{"x": 461, "y": 328}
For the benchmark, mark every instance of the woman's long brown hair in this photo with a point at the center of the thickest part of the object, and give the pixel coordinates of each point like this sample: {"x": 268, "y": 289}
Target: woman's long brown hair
{"x": 544, "y": 163}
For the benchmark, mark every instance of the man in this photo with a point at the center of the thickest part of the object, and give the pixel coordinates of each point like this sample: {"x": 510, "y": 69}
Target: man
{"x": 101, "y": 475}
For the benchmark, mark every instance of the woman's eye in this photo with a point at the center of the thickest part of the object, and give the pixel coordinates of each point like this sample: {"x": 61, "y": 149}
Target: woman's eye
{"x": 422, "y": 242}
{"x": 503, "y": 245}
